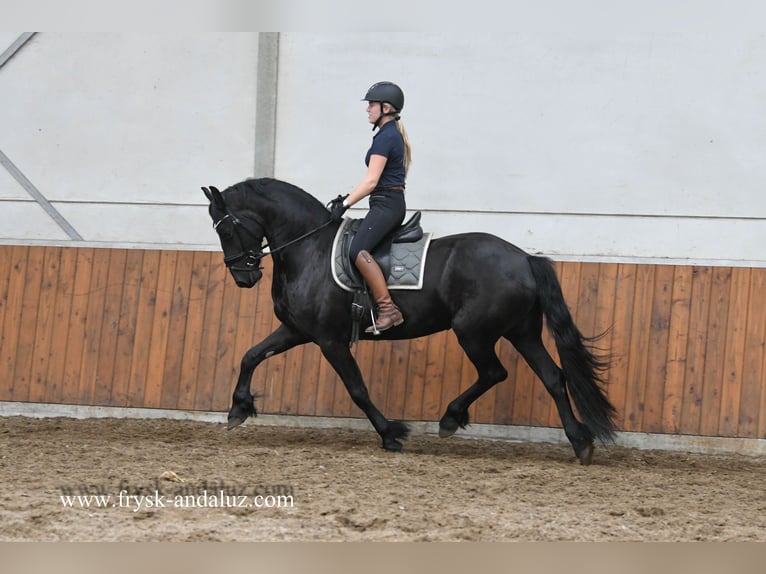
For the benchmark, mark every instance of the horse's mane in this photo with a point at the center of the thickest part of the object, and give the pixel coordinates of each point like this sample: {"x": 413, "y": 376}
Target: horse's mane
{"x": 277, "y": 190}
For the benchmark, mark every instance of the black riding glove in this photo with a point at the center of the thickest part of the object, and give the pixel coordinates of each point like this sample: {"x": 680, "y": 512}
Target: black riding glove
{"x": 336, "y": 207}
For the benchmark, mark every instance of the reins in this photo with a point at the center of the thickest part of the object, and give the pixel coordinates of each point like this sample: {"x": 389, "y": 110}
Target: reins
{"x": 252, "y": 258}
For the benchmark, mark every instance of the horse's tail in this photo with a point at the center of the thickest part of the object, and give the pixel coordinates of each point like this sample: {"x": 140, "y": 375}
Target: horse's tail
{"x": 582, "y": 368}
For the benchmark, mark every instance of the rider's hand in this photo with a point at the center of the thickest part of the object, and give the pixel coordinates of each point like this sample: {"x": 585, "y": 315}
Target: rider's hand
{"x": 337, "y": 207}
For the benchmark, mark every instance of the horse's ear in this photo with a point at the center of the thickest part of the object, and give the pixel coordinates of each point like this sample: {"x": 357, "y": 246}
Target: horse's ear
{"x": 213, "y": 195}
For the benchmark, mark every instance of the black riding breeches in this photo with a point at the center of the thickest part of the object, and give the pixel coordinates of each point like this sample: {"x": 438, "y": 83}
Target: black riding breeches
{"x": 387, "y": 211}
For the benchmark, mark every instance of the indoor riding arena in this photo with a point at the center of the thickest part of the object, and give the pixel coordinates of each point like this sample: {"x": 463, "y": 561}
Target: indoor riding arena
{"x": 635, "y": 162}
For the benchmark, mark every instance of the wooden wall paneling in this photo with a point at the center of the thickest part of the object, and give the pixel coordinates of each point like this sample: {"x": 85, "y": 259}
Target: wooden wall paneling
{"x": 413, "y": 400}
{"x": 43, "y": 346}
{"x": 451, "y": 378}
{"x": 177, "y": 326}
{"x": 699, "y": 312}
{"x": 309, "y": 377}
{"x": 263, "y": 319}
{"x": 211, "y": 327}
{"x": 104, "y": 383}
{"x": 638, "y": 350}
{"x": 28, "y": 324}
{"x": 10, "y": 291}
{"x": 510, "y": 358}
{"x": 752, "y": 424}
{"x": 93, "y": 324}
{"x": 715, "y": 350}
{"x": 226, "y": 353}
{"x": 11, "y": 325}
{"x": 155, "y": 358}
{"x": 434, "y": 376}
{"x": 734, "y": 353}
{"x": 386, "y": 384}
{"x": 364, "y": 353}
{"x": 59, "y": 336}
{"x": 398, "y": 374}
{"x": 619, "y": 376}
{"x": 126, "y": 329}
{"x": 604, "y": 320}
{"x": 657, "y": 350}
{"x": 142, "y": 340}
{"x": 78, "y": 315}
{"x": 678, "y": 336}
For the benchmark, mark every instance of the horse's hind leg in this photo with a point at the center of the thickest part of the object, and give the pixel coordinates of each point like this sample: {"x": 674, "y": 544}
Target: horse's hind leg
{"x": 531, "y": 347}
{"x": 279, "y": 341}
{"x": 341, "y": 359}
{"x": 481, "y": 352}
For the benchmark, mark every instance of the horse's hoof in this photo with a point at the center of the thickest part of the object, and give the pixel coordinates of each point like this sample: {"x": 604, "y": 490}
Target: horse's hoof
{"x": 446, "y": 433}
{"x": 586, "y": 455}
{"x": 393, "y": 446}
{"x": 234, "y": 423}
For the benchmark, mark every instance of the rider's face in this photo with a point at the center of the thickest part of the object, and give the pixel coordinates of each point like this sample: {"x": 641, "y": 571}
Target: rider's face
{"x": 373, "y": 111}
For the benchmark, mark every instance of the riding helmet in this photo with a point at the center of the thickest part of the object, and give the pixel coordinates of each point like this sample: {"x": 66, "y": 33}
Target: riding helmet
{"x": 386, "y": 92}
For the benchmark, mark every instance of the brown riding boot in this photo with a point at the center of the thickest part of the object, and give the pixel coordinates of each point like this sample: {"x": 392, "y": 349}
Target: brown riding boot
{"x": 389, "y": 314}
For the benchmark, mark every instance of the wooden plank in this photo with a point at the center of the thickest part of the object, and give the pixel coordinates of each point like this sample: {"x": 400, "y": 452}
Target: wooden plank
{"x": 227, "y": 355}
{"x": 59, "y": 335}
{"x": 28, "y": 324}
{"x": 639, "y": 347}
{"x": 195, "y": 321}
{"x": 110, "y": 327}
{"x": 734, "y": 354}
{"x": 70, "y": 392}
{"x": 400, "y": 356}
{"x": 179, "y": 313}
{"x": 211, "y": 326}
{"x": 678, "y": 338}
{"x": 453, "y": 366}
{"x": 510, "y": 358}
{"x": 147, "y": 294}
{"x": 44, "y": 345}
{"x": 126, "y": 327}
{"x": 657, "y": 350}
{"x": 155, "y": 359}
{"x": 715, "y": 350}
{"x": 93, "y": 323}
{"x": 11, "y": 325}
{"x": 604, "y": 321}
{"x": 265, "y": 323}
{"x": 413, "y": 405}
{"x": 433, "y": 376}
{"x": 699, "y": 311}
{"x": 307, "y": 395}
{"x": 752, "y": 424}
{"x": 625, "y": 288}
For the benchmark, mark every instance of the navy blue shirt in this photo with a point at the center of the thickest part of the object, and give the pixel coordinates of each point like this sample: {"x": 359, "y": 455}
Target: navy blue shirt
{"x": 388, "y": 142}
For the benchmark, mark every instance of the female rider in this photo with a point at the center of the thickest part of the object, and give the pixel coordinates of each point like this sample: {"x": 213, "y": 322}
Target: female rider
{"x": 387, "y": 162}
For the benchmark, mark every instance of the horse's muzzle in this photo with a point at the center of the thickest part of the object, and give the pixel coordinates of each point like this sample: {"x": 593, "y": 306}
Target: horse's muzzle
{"x": 246, "y": 278}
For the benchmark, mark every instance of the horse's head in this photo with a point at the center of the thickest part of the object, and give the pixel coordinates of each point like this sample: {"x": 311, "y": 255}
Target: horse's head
{"x": 241, "y": 240}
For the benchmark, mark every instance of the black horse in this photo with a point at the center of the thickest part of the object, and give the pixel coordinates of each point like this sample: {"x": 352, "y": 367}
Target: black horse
{"x": 477, "y": 284}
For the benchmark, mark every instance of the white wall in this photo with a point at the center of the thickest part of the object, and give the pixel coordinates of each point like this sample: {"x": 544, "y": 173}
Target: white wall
{"x": 119, "y": 131}
{"x": 582, "y": 143}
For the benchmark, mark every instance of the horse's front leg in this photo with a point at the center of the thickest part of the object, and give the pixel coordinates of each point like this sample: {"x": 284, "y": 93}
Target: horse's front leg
{"x": 243, "y": 402}
{"x": 341, "y": 359}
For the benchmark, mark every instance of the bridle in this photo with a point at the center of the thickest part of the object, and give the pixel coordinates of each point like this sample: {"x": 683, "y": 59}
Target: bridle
{"x": 251, "y": 259}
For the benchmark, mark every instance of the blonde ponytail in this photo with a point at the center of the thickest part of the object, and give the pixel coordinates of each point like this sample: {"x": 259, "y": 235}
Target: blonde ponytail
{"x": 407, "y": 149}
